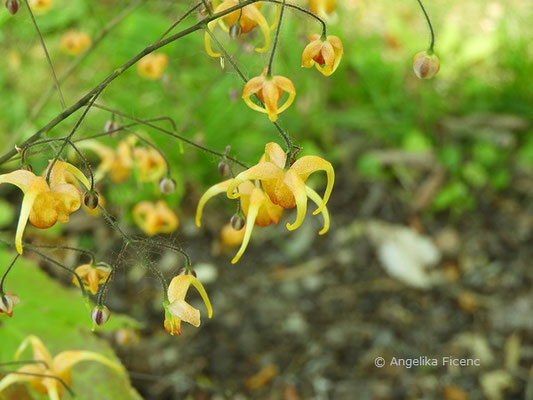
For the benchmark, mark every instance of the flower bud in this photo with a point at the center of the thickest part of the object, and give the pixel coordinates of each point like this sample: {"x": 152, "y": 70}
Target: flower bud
{"x": 235, "y": 30}
{"x": 185, "y": 271}
{"x": 111, "y": 126}
{"x": 8, "y": 301}
{"x": 12, "y": 6}
{"x": 223, "y": 168}
{"x": 222, "y": 62}
{"x": 90, "y": 199}
{"x": 100, "y": 315}
{"x": 237, "y": 222}
{"x": 167, "y": 185}
{"x": 425, "y": 65}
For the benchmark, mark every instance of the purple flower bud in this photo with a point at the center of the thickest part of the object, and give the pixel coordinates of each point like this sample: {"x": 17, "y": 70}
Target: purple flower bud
{"x": 235, "y": 30}
{"x": 223, "y": 168}
{"x": 100, "y": 315}
{"x": 237, "y": 222}
{"x": 90, "y": 199}
{"x": 12, "y": 6}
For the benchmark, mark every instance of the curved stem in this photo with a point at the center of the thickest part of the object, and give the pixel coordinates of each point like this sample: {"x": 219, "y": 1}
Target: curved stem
{"x": 48, "y": 59}
{"x": 7, "y": 272}
{"x": 432, "y": 33}
{"x": 84, "y": 251}
{"x": 303, "y": 10}
{"x": 69, "y": 390}
{"x": 84, "y": 160}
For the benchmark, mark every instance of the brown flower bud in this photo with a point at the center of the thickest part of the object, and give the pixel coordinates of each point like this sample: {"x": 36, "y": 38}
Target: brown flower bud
{"x": 425, "y": 65}
{"x": 167, "y": 185}
{"x": 90, "y": 199}
{"x": 235, "y": 30}
{"x": 111, "y": 126}
{"x": 12, "y": 6}
{"x": 223, "y": 168}
{"x": 100, "y": 315}
{"x": 237, "y": 222}
{"x": 185, "y": 271}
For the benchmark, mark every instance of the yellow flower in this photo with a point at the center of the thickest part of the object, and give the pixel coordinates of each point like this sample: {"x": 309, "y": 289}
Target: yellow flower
{"x": 322, "y": 8}
{"x": 92, "y": 276}
{"x": 45, "y": 204}
{"x": 255, "y": 205}
{"x": 154, "y": 218}
{"x": 177, "y": 309}
{"x": 270, "y": 90}
{"x": 248, "y": 17}
{"x": 231, "y": 237}
{"x": 287, "y": 188}
{"x": 8, "y": 301}
{"x": 74, "y": 42}
{"x": 41, "y": 374}
{"x": 151, "y": 164}
{"x": 325, "y": 54}
{"x": 152, "y": 66}
{"x": 40, "y": 6}
{"x": 118, "y": 163}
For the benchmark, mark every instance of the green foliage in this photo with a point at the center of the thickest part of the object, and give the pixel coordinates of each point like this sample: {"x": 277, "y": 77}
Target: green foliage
{"x": 61, "y": 318}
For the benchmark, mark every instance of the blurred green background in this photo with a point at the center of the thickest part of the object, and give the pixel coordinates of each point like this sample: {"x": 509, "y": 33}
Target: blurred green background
{"x": 452, "y": 154}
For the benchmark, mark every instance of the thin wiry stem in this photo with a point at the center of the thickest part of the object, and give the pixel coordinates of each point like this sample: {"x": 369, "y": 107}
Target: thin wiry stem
{"x": 175, "y": 135}
{"x": 428, "y": 20}
{"x": 153, "y": 146}
{"x": 276, "y": 39}
{"x": 88, "y": 253}
{"x": 85, "y": 162}
{"x": 7, "y": 272}
{"x": 48, "y": 59}
{"x": 288, "y": 142}
{"x": 178, "y": 21}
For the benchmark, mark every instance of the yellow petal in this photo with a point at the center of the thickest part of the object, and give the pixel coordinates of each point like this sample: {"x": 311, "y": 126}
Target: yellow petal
{"x": 310, "y": 51}
{"x": 184, "y": 311}
{"x": 317, "y": 200}
{"x": 275, "y": 154}
{"x": 198, "y": 286}
{"x": 255, "y": 15}
{"x": 78, "y": 175}
{"x": 66, "y": 360}
{"x": 207, "y": 41}
{"x": 306, "y": 165}
{"x": 12, "y": 378}
{"x": 329, "y": 58}
{"x": 211, "y": 192}
{"x": 256, "y": 200}
{"x": 261, "y": 171}
{"x": 27, "y": 204}
{"x": 21, "y": 178}
{"x": 297, "y": 187}
{"x": 40, "y": 352}
{"x": 253, "y": 86}
{"x": 178, "y": 287}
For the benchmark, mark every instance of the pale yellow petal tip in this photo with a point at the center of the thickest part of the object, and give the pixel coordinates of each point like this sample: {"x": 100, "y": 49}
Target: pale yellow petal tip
{"x": 19, "y": 248}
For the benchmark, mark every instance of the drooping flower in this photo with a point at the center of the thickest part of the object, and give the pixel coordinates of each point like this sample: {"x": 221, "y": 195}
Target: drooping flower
{"x": 286, "y": 187}
{"x": 324, "y": 53}
{"x": 8, "y": 301}
{"x": 177, "y": 309}
{"x": 92, "y": 275}
{"x": 154, "y": 218}
{"x": 426, "y": 64}
{"x": 269, "y": 89}
{"x": 248, "y": 18}
{"x": 151, "y": 164}
{"x": 117, "y": 163}
{"x": 48, "y": 374}
{"x": 40, "y": 7}
{"x": 152, "y": 66}
{"x": 74, "y": 42}
{"x": 323, "y": 8}
{"x": 45, "y": 204}
{"x": 256, "y": 206}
